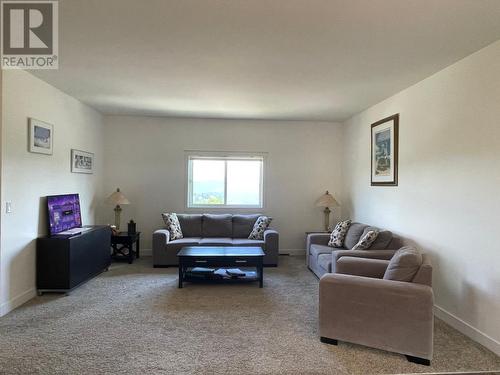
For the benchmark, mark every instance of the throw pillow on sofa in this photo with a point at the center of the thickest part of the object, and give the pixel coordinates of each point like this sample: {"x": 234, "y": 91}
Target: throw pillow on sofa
{"x": 366, "y": 241}
{"x": 173, "y": 226}
{"x": 338, "y": 234}
{"x": 404, "y": 265}
{"x": 260, "y": 227}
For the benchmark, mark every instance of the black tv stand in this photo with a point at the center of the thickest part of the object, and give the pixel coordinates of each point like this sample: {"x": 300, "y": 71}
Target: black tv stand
{"x": 65, "y": 262}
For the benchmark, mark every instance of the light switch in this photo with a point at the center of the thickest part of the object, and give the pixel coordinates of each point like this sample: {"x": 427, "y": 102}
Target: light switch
{"x": 8, "y": 207}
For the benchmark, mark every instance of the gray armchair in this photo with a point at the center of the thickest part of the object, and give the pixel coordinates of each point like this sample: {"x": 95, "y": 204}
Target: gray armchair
{"x": 358, "y": 306}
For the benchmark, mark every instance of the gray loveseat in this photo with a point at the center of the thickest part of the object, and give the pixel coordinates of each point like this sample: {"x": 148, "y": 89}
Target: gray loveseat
{"x": 322, "y": 258}
{"x": 213, "y": 230}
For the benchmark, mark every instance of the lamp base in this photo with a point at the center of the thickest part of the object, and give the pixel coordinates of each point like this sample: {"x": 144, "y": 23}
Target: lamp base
{"x": 327, "y": 219}
{"x": 118, "y": 211}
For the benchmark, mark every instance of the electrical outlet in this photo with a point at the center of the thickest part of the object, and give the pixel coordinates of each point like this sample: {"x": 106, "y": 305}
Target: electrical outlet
{"x": 8, "y": 207}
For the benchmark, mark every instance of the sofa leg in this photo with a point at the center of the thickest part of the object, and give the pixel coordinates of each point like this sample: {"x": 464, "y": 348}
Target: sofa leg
{"x": 418, "y": 360}
{"x": 326, "y": 340}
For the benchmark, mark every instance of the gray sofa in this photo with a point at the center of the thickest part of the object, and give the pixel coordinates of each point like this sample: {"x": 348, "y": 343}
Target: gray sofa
{"x": 213, "y": 230}
{"x": 357, "y": 305}
{"x": 321, "y": 258}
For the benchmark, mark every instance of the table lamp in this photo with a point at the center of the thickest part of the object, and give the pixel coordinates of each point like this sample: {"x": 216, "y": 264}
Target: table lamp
{"x": 117, "y": 199}
{"x": 327, "y": 200}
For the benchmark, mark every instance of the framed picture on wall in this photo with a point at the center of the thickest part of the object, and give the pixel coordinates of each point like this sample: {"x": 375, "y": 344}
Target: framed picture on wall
{"x": 82, "y": 161}
{"x": 384, "y": 151}
{"x": 41, "y": 137}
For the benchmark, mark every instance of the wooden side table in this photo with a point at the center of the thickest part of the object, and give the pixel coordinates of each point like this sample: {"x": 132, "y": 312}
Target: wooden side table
{"x": 318, "y": 231}
{"x": 124, "y": 241}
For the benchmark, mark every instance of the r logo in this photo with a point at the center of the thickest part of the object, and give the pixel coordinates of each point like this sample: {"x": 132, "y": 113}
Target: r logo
{"x": 29, "y": 34}
{"x": 27, "y": 28}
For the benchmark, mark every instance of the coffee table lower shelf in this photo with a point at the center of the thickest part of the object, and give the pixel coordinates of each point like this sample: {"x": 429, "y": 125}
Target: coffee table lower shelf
{"x": 210, "y": 279}
{"x": 221, "y": 257}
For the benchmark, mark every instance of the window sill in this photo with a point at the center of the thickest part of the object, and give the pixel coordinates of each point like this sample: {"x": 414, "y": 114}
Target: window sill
{"x": 225, "y": 207}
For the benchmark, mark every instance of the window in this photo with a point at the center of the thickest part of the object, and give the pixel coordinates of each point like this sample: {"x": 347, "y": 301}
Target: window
{"x": 225, "y": 181}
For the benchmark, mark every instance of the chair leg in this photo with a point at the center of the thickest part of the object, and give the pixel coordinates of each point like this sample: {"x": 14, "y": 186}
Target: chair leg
{"x": 326, "y": 340}
{"x": 419, "y": 361}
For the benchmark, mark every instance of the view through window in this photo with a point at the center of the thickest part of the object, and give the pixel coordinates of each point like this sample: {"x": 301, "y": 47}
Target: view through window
{"x": 225, "y": 181}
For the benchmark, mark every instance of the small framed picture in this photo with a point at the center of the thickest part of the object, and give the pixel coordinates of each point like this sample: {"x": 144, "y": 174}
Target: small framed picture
{"x": 82, "y": 161}
{"x": 41, "y": 137}
{"x": 384, "y": 151}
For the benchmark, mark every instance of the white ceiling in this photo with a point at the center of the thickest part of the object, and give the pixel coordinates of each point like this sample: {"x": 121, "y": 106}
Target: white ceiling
{"x": 273, "y": 59}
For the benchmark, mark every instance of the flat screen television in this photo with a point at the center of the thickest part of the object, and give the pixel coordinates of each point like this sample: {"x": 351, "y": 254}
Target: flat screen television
{"x": 64, "y": 212}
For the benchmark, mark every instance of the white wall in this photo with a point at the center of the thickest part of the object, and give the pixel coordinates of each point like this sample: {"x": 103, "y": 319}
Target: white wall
{"x": 1, "y": 154}
{"x": 26, "y": 177}
{"x": 447, "y": 200}
{"x": 144, "y": 156}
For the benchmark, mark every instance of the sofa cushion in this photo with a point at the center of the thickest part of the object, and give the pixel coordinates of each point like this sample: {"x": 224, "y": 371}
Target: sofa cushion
{"x": 383, "y": 239}
{"x": 243, "y": 225}
{"x": 325, "y": 262}
{"x": 354, "y": 234}
{"x": 190, "y": 225}
{"x": 260, "y": 227}
{"x": 366, "y": 240}
{"x": 337, "y": 236}
{"x": 247, "y": 242}
{"x": 186, "y": 241}
{"x": 216, "y": 241}
{"x": 404, "y": 265}
{"x": 175, "y": 245}
{"x": 217, "y": 225}
{"x": 316, "y": 250}
{"x": 173, "y": 226}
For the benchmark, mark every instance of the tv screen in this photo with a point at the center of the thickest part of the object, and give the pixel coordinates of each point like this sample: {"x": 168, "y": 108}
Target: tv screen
{"x": 64, "y": 212}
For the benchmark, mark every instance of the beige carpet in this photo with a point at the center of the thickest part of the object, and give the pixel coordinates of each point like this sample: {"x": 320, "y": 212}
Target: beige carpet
{"x": 134, "y": 320}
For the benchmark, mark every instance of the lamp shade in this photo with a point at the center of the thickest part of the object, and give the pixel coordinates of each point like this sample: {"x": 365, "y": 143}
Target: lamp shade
{"x": 327, "y": 200}
{"x": 117, "y": 198}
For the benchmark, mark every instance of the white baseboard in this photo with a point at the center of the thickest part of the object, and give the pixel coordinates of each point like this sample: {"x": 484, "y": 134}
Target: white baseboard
{"x": 147, "y": 252}
{"x": 467, "y": 329}
{"x": 293, "y": 252}
{"x": 17, "y": 301}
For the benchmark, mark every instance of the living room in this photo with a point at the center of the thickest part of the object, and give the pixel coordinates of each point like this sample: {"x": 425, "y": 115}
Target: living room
{"x": 299, "y": 88}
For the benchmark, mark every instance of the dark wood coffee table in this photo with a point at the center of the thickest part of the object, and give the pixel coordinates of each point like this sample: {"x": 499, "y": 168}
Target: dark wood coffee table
{"x": 221, "y": 257}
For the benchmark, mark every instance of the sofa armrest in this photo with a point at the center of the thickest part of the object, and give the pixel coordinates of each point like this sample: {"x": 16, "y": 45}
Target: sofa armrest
{"x": 164, "y": 249}
{"x": 271, "y": 239}
{"x": 270, "y": 232}
{"x": 160, "y": 238}
{"x": 386, "y": 314}
{"x": 317, "y": 239}
{"x": 369, "y": 254}
{"x": 370, "y": 291}
{"x": 362, "y": 267}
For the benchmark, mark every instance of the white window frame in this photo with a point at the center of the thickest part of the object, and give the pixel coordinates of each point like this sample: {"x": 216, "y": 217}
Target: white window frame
{"x": 211, "y": 155}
